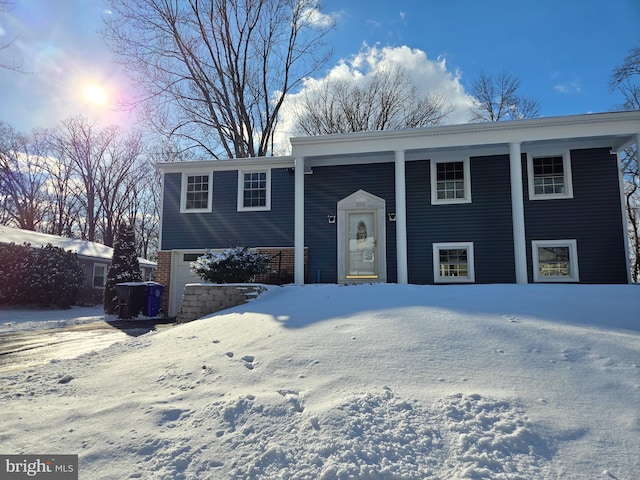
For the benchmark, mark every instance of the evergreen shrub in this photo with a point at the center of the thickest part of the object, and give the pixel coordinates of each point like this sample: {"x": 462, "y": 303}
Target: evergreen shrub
{"x": 47, "y": 277}
{"x": 233, "y": 265}
{"x": 124, "y": 267}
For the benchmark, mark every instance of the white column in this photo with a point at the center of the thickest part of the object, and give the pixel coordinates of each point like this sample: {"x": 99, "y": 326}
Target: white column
{"x": 401, "y": 218}
{"x": 517, "y": 213}
{"x": 298, "y": 219}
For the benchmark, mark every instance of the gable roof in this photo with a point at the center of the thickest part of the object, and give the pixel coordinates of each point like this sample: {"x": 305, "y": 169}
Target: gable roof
{"x": 82, "y": 247}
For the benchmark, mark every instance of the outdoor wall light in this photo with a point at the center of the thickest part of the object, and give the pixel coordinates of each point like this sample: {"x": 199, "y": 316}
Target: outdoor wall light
{"x": 331, "y": 218}
{"x": 392, "y": 217}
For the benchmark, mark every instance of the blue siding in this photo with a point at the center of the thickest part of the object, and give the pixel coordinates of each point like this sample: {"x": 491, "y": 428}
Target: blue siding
{"x": 593, "y": 217}
{"x": 323, "y": 190}
{"x": 486, "y": 221}
{"x": 225, "y": 226}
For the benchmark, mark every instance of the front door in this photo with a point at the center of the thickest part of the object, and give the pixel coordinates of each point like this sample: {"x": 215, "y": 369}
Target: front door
{"x": 362, "y": 260}
{"x": 361, "y": 239}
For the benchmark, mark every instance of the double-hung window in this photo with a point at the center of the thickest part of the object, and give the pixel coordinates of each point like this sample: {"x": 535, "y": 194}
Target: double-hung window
{"x": 99, "y": 275}
{"x": 453, "y": 263}
{"x": 450, "y": 182}
{"x": 555, "y": 261}
{"x": 549, "y": 176}
{"x": 197, "y": 192}
{"x": 254, "y": 190}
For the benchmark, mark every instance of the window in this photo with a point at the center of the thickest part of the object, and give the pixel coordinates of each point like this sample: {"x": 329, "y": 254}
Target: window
{"x": 254, "y": 190}
{"x": 99, "y": 275}
{"x": 197, "y": 192}
{"x": 453, "y": 262}
{"x": 450, "y": 182}
{"x": 555, "y": 261}
{"x": 549, "y": 176}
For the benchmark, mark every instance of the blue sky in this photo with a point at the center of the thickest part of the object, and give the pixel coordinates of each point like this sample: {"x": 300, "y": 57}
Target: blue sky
{"x": 563, "y": 51}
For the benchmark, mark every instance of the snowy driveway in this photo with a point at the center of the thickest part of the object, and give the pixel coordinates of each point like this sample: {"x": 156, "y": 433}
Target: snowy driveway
{"x": 32, "y": 338}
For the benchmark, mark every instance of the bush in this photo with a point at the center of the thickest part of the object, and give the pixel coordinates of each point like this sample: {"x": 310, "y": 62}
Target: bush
{"x": 234, "y": 265}
{"x": 55, "y": 278}
{"x": 47, "y": 277}
{"x": 14, "y": 268}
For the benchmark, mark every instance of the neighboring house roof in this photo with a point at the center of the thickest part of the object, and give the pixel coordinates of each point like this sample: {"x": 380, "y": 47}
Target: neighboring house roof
{"x": 82, "y": 247}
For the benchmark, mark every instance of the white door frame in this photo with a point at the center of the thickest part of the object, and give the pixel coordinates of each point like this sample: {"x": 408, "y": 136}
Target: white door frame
{"x": 362, "y": 202}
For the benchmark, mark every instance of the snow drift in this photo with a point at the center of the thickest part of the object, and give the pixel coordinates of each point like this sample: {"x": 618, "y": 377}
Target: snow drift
{"x": 367, "y": 382}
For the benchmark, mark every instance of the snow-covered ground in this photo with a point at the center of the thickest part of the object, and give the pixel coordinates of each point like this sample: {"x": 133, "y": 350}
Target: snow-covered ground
{"x": 363, "y": 382}
{"x": 20, "y": 320}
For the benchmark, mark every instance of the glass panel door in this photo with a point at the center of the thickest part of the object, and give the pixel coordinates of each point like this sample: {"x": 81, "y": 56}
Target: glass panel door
{"x": 362, "y": 259}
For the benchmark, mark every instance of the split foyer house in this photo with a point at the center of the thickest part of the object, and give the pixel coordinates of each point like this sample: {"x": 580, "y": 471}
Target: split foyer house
{"x": 537, "y": 200}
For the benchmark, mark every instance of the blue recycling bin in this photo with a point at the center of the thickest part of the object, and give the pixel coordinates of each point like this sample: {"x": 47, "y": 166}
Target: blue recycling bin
{"x": 153, "y": 299}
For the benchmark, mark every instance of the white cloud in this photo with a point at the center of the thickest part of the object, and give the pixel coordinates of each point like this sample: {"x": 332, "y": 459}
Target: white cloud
{"x": 429, "y": 75}
{"x": 316, "y": 18}
{"x": 572, "y": 87}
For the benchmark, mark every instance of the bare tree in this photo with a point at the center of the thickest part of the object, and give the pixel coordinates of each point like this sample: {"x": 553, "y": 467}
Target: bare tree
{"x": 626, "y": 80}
{"x": 498, "y": 97}
{"x": 78, "y": 143}
{"x": 22, "y": 179}
{"x": 144, "y": 210}
{"x": 215, "y": 72}
{"x": 102, "y": 163}
{"x": 117, "y": 177}
{"x": 65, "y": 210}
{"x": 6, "y": 62}
{"x": 387, "y": 100}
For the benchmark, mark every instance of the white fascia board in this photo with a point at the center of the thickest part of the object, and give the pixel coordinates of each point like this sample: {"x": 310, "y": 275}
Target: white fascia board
{"x": 616, "y": 125}
{"x": 222, "y": 165}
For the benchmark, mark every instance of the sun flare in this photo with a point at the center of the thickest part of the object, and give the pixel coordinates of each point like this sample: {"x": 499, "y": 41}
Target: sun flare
{"x": 95, "y": 94}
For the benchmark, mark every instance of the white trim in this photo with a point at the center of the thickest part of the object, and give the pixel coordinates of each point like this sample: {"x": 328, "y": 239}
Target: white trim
{"x": 183, "y": 193}
{"x": 471, "y": 274}
{"x": 573, "y": 260}
{"x": 362, "y": 202}
{"x": 517, "y": 213}
{"x": 401, "y": 219}
{"x": 618, "y": 126}
{"x": 241, "y": 174}
{"x": 566, "y": 166}
{"x": 231, "y": 164}
{"x": 434, "y": 181}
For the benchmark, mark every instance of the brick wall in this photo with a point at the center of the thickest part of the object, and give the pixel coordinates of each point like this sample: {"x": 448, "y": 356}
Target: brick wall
{"x": 282, "y": 265}
{"x": 163, "y": 276}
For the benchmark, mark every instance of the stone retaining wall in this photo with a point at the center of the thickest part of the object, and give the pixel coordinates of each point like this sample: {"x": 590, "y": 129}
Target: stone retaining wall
{"x": 199, "y": 300}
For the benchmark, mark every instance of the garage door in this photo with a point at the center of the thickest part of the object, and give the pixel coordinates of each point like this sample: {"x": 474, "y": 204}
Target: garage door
{"x": 180, "y": 276}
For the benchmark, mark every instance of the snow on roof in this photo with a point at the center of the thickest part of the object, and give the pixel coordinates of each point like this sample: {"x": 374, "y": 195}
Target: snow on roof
{"x": 82, "y": 247}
